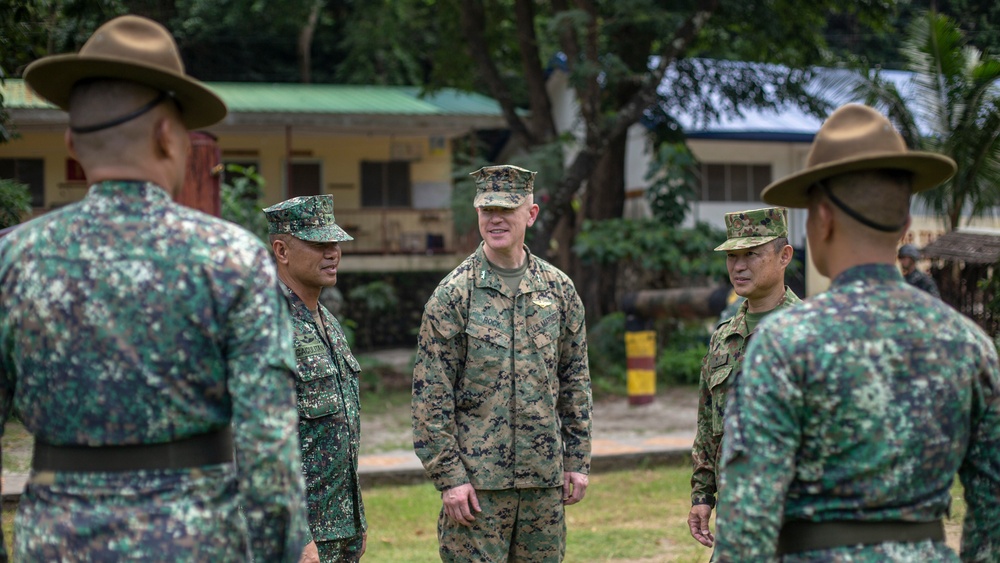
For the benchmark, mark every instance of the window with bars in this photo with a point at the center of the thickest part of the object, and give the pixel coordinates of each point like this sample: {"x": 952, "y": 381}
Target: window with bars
{"x": 30, "y": 171}
{"x": 733, "y": 182}
{"x": 386, "y": 184}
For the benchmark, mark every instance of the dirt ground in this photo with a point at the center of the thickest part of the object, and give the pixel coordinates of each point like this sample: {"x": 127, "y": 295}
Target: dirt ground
{"x": 387, "y": 427}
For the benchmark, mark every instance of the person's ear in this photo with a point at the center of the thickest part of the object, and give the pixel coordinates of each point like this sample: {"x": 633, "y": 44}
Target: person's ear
{"x": 70, "y": 144}
{"x": 532, "y": 214}
{"x": 280, "y": 251}
{"x": 825, "y": 220}
{"x": 786, "y": 255}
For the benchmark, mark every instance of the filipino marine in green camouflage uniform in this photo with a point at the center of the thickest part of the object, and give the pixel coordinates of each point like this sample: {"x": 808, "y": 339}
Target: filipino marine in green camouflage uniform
{"x": 131, "y": 326}
{"x": 757, "y": 253}
{"x": 306, "y": 242}
{"x": 908, "y": 256}
{"x": 501, "y": 389}
{"x": 857, "y": 408}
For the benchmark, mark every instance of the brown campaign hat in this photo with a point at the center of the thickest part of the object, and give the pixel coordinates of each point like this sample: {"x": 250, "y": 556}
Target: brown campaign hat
{"x": 129, "y": 48}
{"x": 855, "y": 138}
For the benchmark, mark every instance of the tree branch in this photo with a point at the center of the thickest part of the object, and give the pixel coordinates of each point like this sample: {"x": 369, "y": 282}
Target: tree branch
{"x": 543, "y": 124}
{"x": 473, "y": 23}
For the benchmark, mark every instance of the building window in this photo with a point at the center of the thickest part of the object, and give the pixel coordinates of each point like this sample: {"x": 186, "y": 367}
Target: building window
{"x": 734, "y": 182}
{"x": 385, "y": 184}
{"x": 30, "y": 171}
{"x": 306, "y": 179}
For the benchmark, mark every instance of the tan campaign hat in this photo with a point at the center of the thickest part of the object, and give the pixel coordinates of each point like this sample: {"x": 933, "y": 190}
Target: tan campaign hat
{"x": 307, "y": 218}
{"x": 503, "y": 186}
{"x": 129, "y": 48}
{"x": 855, "y": 138}
{"x": 747, "y": 229}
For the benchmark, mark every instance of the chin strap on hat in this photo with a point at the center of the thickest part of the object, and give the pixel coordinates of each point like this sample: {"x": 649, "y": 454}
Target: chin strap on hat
{"x": 857, "y": 216}
{"x": 119, "y": 120}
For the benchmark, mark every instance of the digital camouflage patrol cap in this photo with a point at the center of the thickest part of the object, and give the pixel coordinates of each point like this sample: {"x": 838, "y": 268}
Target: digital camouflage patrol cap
{"x": 308, "y": 218}
{"x": 747, "y": 229}
{"x": 503, "y": 186}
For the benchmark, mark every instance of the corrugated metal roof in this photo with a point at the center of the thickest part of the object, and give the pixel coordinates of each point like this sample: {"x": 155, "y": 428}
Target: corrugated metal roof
{"x": 977, "y": 246}
{"x": 312, "y": 98}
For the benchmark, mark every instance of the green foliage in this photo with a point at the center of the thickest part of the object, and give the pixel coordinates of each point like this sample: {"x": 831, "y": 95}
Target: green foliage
{"x": 15, "y": 202}
{"x": 606, "y": 355}
{"x": 241, "y": 194}
{"x": 376, "y": 296}
{"x": 679, "y": 367}
{"x": 653, "y": 246}
{"x": 956, "y": 104}
{"x": 674, "y": 183}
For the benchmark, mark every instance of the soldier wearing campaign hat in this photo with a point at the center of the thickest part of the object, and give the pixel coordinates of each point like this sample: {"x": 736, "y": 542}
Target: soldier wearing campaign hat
{"x": 141, "y": 340}
{"x": 856, "y": 409}
{"x": 306, "y": 241}
{"x": 501, "y": 389}
{"x": 757, "y": 253}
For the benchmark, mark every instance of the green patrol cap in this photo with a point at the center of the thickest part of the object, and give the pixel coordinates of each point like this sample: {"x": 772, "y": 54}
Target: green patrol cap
{"x": 503, "y": 186}
{"x": 308, "y": 218}
{"x": 747, "y": 229}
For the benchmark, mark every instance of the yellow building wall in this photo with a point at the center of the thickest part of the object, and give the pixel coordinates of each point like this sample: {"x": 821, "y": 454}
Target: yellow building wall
{"x": 339, "y": 157}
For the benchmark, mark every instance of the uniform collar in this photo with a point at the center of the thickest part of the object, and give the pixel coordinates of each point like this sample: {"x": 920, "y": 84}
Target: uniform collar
{"x": 868, "y": 274}
{"x": 485, "y": 276}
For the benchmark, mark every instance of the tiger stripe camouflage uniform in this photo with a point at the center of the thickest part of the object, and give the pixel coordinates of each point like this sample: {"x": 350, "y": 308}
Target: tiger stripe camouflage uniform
{"x": 329, "y": 425}
{"x": 862, "y": 404}
{"x": 501, "y": 387}
{"x": 718, "y": 369}
{"x": 128, "y": 319}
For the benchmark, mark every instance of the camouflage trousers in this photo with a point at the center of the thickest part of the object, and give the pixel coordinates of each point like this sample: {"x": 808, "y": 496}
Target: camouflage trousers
{"x": 340, "y": 551}
{"x": 514, "y": 525}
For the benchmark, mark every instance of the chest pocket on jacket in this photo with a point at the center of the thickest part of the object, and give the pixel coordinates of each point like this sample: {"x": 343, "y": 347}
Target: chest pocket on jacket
{"x": 317, "y": 381}
{"x": 488, "y": 353}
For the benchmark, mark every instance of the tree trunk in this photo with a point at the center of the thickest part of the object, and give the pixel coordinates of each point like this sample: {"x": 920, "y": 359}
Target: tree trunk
{"x": 604, "y": 198}
{"x": 305, "y": 42}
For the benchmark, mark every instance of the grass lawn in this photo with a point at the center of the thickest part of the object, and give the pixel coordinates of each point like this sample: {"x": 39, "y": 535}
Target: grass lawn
{"x": 636, "y": 516}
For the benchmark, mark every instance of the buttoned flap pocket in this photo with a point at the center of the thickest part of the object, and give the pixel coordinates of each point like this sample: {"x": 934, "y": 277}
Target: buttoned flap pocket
{"x": 719, "y": 390}
{"x": 544, "y": 329}
{"x": 316, "y": 383}
{"x": 488, "y": 335}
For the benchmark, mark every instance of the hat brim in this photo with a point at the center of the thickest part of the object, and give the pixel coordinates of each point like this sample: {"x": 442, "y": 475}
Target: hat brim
{"x": 53, "y": 78}
{"x": 743, "y": 243}
{"x": 929, "y": 171}
{"x": 328, "y": 233}
{"x": 494, "y": 199}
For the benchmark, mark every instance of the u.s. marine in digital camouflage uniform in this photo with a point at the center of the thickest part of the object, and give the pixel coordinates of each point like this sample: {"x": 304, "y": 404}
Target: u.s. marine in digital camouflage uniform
{"x": 857, "y": 408}
{"x": 141, "y": 340}
{"x": 757, "y": 255}
{"x": 327, "y": 383}
{"x": 501, "y": 389}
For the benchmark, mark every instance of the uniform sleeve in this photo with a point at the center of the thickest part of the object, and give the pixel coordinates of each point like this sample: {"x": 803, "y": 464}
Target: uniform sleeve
{"x": 703, "y": 452}
{"x": 575, "y": 402}
{"x": 7, "y": 384}
{"x": 759, "y": 442}
{"x": 441, "y": 347}
{"x": 980, "y": 470}
{"x": 260, "y": 366}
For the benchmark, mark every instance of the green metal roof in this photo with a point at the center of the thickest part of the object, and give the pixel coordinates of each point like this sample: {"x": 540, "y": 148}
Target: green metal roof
{"x": 312, "y": 98}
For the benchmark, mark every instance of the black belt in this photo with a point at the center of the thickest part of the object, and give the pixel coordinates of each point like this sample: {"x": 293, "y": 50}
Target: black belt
{"x": 210, "y": 448}
{"x": 799, "y": 535}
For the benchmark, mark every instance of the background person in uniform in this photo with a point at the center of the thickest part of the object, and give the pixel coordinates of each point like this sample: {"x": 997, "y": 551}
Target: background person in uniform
{"x": 501, "y": 389}
{"x": 306, "y": 242}
{"x": 757, "y": 253}
{"x": 857, "y": 408}
{"x": 135, "y": 331}
{"x": 908, "y": 256}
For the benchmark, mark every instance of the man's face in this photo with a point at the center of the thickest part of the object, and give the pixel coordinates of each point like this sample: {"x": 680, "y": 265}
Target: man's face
{"x": 907, "y": 264}
{"x": 754, "y": 272}
{"x": 313, "y": 264}
{"x": 503, "y": 228}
